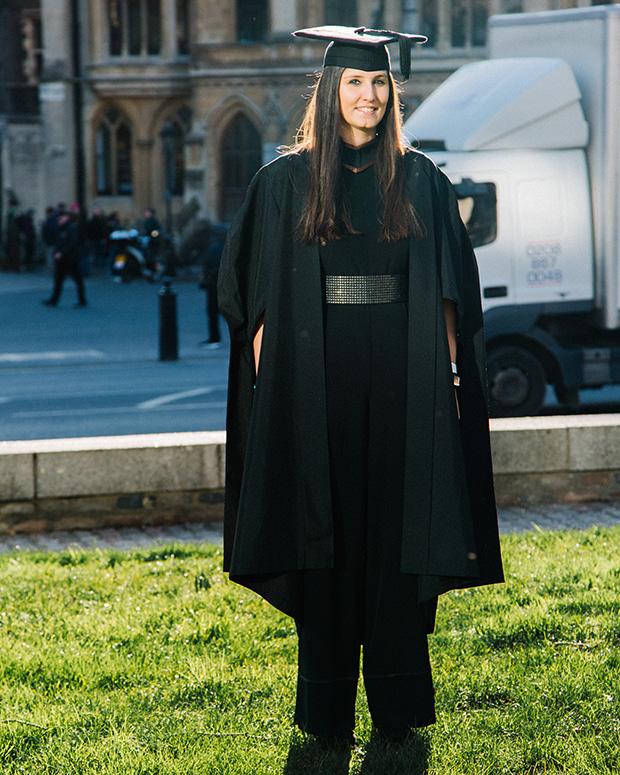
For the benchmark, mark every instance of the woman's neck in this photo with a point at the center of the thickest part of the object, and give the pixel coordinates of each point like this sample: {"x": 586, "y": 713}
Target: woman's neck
{"x": 369, "y": 141}
{"x": 357, "y": 137}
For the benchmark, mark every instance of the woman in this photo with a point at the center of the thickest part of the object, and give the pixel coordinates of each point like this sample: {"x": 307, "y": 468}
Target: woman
{"x": 358, "y": 487}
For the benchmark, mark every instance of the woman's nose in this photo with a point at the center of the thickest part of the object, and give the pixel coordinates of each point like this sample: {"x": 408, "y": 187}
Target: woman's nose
{"x": 369, "y": 92}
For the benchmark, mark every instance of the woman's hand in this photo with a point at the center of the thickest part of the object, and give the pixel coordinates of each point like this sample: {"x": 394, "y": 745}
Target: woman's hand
{"x": 257, "y": 344}
{"x": 449, "y": 311}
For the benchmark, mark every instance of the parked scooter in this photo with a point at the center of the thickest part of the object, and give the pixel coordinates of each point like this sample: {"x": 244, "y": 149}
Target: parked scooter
{"x": 137, "y": 255}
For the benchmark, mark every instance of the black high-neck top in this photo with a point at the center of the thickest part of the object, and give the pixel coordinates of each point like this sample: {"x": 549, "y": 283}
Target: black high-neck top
{"x": 360, "y": 156}
{"x": 363, "y": 253}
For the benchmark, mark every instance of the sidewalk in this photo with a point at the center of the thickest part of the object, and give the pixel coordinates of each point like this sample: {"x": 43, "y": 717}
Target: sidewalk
{"x": 512, "y": 520}
{"x": 114, "y": 538}
{"x": 120, "y": 324}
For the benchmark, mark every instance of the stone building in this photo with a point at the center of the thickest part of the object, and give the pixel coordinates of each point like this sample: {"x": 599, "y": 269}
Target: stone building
{"x": 121, "y": 100}
{"x": 21, "y": 139}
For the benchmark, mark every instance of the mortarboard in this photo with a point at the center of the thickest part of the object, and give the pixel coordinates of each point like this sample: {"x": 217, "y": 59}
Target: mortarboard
{"x": 363, "y": 48}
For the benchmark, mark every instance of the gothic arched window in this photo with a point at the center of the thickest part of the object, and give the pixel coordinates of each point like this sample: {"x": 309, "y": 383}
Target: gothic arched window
{"x": 468, "y": 23}
{"x": 134, "y": 27}
{"x": 113, "y": 143}
{"x": 241, "y": 156}
{"x": 252, "y": 20}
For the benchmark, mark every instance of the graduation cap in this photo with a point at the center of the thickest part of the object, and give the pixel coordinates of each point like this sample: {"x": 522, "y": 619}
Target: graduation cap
{"x": 362, "y": 48}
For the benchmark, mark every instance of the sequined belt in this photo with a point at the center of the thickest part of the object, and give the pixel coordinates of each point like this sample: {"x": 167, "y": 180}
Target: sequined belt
{"x": 365, "y": 289}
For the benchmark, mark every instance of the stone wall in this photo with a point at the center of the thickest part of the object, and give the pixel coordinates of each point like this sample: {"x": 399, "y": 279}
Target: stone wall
{"x": 167, "y": 478}
{"x": 116, "y": 480}
{"x": 555, "y": 459}
{"x": 23, "y": 157}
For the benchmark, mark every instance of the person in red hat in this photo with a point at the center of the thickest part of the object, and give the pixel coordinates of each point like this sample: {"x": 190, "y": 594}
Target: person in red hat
{"x": 358, "y": 468}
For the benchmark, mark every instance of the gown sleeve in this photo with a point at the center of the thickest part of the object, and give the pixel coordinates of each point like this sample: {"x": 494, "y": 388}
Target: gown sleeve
{"x": 242, "y": 279}
{"x": 460, "y": 283}
{"x": 242, "y": 292}
{"x": 458, "y": 263}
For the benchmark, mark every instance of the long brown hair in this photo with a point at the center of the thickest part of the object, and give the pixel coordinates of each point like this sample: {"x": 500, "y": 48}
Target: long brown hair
{"x": 325, "y": 215}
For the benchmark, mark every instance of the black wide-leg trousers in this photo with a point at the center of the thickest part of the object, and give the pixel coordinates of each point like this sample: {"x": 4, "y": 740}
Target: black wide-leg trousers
{"x": 64, "y": 267}
{"x": 365, "y": 603}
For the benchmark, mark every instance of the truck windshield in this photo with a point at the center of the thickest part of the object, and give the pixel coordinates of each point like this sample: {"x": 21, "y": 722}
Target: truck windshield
{"x": 478, "y": 209}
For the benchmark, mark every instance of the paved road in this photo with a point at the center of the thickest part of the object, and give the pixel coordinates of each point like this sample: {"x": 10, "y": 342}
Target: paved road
{"x": 95, "y": 371}
{"x": 512, "y": 520}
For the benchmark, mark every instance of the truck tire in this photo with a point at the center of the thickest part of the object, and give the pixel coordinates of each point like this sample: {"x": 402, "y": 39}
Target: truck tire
{"x": 517, "y": 382}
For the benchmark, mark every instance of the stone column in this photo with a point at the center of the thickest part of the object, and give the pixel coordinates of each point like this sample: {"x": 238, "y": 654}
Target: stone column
{"x": 97, "y": 31}
{"x": 537, "y": 5}
{"x": 214, "y": 22}
{"x": 274, "y": 129}
{"x": 56, "y": 100}
{"x": 411, "y": 17}
{"x": 444, "y": 43}
{"x": 94, "y": 50}
{"x": 366, "y": 13}
{"x": 195, "y": 163}
{"x": 283, "y": 18}
{"x": 147, "y": 187}
{"x": 168, "y": 29}
{"x": 393, "y": 15}
{"x": 313, "y": 13}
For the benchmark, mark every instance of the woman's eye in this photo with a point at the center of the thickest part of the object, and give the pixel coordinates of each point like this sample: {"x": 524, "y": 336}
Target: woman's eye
{"x": 354, "y": 81}
{"x": 380, "y": 82}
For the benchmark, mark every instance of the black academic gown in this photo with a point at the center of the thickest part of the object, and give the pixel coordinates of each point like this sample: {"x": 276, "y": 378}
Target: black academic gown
{"x": 278, "y": 510}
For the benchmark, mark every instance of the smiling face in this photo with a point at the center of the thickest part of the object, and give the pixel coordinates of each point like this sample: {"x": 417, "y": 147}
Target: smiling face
{"x": 363, "y": 98}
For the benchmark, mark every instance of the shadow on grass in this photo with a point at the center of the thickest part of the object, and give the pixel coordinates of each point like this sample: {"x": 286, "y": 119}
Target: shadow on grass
{"x": 407, "y": 758}
{"x": 306, "y": 756}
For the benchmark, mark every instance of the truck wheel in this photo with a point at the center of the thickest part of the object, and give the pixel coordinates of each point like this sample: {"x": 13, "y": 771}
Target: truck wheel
{"x": 517, "y": 382}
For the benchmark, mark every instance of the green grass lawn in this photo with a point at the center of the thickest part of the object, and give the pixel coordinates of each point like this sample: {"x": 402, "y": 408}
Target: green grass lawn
{"x": 151, "y": 662}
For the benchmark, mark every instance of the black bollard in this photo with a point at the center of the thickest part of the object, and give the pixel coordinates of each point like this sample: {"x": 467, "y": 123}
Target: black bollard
{"x": 168, "y": 333}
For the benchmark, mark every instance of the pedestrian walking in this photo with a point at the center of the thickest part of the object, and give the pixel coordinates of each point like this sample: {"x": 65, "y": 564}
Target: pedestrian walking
{"x": 49, "y": 231}
{"x": 358, "y": 469}
{"x": 113, "y": 221}
{"x": 208, "y": 283}
{"x": 67, "y": 259}
{"x": 27, "y": 236}
{"x": 151, "y": 222}
{"x": 97, "y": 235}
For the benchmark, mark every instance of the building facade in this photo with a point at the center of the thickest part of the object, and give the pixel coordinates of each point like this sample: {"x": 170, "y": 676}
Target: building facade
{"x": 125, "y": 104}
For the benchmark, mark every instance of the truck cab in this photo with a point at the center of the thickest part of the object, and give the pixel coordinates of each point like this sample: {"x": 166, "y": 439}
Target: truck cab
{"x": 528, "y": 217}
{"x": 526, "y": 141}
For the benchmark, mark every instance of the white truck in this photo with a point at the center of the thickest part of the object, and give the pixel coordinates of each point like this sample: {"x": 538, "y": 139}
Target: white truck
{"x": 531, "y": 140}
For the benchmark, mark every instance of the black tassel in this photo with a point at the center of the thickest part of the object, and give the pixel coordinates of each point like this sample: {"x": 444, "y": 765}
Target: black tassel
{"x": 405, "y": 41}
